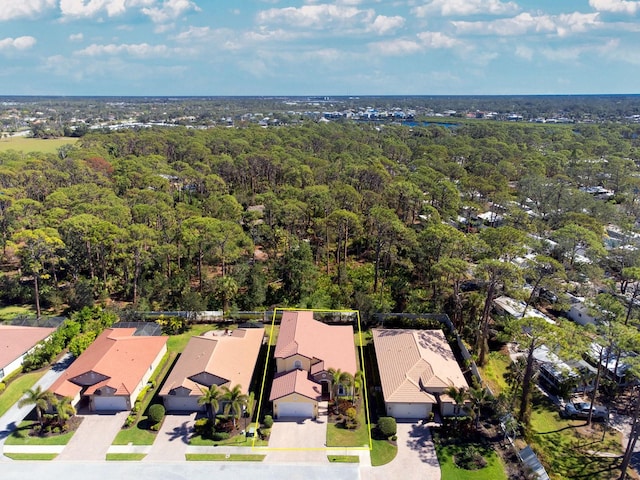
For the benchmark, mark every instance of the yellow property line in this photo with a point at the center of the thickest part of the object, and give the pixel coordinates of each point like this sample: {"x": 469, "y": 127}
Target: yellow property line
{"x": 364, "y": 376}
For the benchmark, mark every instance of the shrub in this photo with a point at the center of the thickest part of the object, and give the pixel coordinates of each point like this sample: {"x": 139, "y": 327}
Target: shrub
{"x": 156, "y": 412}
{"x": 2, "y": 387}
{"x": 131, "y": 419}
{"x": 268, "y": 421}
{"x": 202, "y": 426}
{"x": 218, "y": 436}
{"x": 387, "y": 426}
{"x": 470, "y": 458}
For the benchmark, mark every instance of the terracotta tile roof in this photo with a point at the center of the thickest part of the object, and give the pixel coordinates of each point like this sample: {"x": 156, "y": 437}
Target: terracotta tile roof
{"x": 413, "y": 363}
{"x": 116, "y": 359}
{"x": 221, "y": 359}
{"x": 295, "y": 381}
{"x": 332, "y": 344}
{"x": 15, "y": 341}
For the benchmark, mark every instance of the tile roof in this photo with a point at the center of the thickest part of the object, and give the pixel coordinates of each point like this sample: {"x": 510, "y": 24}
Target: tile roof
{"x": 413, "y": 363}
{"x": 221, "y": 359}
{"x": 295, "y": 381}
{"x": 116, "y": 360}
{"x": 332, "y": 344}
{"x": 15, "y": 341}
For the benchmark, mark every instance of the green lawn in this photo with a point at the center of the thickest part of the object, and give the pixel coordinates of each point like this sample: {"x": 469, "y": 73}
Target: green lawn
{"x": 493, "y": 372}
{"x": 342, "y": 437}
{"x": 221, "y": 457}
{"x": 13, "y": 311}
{"x": 382, "y": 452}
{"x": 566, "y": 447}
{"x": 138, "y": 434}
{"x": 31, "y": 456}
{"x": 124, "y": 457}
{"x": 16, "y": 389}
{"x": 176, "y": 343}
{"x": 25, "y": 144}
{"x": 20, "y": 437}
{"x": 343, "y": 458}
{"x": 493, "y": 471}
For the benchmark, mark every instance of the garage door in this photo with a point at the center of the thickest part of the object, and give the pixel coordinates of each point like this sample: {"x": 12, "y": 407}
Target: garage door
{"x": 182, "y": 404}
{"x": 109, "y": 404}
{"x": 409, "y": 410}
{"x": 295, "y": 409}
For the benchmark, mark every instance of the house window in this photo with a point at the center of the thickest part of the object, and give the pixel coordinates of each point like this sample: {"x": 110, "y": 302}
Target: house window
{"x": 1, "y": 372}
{"x": 297, "y": 364}
{"x": 341, "y": 390}
{"x": 456, "y": 409}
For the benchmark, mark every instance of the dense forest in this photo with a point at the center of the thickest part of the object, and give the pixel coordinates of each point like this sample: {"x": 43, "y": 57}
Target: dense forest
{"x": 319, "y": 215}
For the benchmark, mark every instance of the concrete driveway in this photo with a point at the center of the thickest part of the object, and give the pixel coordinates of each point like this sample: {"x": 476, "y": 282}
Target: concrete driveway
{"x": 299, "y": 440}
{"x": 93, "y": 437}
{"x": 172, "y": 440}
{"x": 416, "y": 459}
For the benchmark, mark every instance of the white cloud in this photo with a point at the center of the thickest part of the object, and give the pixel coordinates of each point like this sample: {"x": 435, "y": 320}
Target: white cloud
{"x": 315, "y": 16}
{"x": 524, "y": 52}
{"x": 609, "y": 50}
{"x": 437, "y": 40}
{"x": 90, "y": 8}
{"x": 616, "y": 6}
{"x": 383, "y": 24}
{"x": 404, "y": 46}
{"x": 141, "y": 50}
{"x": 524, "y": 23}
{"x": 170, "y": 10}
{"x": 11, "y": 9}
{"x": 466, "y": 7}
{"x": 76, "y": 37}
{"x": 18, "y": 43}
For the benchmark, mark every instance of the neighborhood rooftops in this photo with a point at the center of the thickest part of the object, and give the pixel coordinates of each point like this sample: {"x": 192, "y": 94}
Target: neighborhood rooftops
{"x": 413, "y": 363}
{"x": 15, "y": 341}
{"x": 116, "y": 360}
{"x": 302, "y": 335}
{"x": 227, "y": 359}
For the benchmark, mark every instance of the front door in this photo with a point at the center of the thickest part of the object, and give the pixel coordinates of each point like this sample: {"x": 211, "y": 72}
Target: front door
{"x": 325, "y": 390}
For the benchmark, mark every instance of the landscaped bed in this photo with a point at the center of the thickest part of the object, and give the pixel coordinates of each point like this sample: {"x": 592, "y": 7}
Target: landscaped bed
{"x": 28, "y": 433}
{"x": 451, "y": 453}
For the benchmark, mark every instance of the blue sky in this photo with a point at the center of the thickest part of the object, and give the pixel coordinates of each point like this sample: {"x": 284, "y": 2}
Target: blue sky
{"x": 318, "y": 47}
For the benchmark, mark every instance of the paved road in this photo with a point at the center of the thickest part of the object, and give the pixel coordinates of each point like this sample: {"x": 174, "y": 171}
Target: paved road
{"x": 176, "y": 471}
{"x": 10, "y": 420}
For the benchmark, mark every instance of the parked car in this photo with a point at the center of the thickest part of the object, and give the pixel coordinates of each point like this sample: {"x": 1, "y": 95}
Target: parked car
{"x": 581, "y": 410}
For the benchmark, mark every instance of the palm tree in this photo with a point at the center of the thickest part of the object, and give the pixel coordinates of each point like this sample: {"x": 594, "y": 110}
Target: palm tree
{"x": 338, "y": 377}
{"x": 458, "y": 394}
{"x": 235, "y": 402}
{"x": 38, "y": 398}
{"x": 479, "y": 396}
{"x": 211, "y": 399}
{"x": 358, "y": 383}
{"x": 64, "y": 410}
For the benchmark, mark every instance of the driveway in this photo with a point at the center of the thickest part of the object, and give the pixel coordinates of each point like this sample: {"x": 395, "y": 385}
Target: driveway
{"x": 416, "y": 459}
{"x": 299, "y": 440}
{"x": 172, "y": 440}
{"x": 93, "y": 437}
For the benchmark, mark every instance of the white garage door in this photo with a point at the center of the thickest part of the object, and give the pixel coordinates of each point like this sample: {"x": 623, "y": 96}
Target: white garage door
{"x": 109, "y": 404}
{"x": 295, "y": 409}
{"x": 181, "y": 404}
{"x": 409, "y": 410}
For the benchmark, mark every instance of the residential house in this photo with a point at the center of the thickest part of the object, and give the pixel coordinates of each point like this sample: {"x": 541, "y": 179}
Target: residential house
{"x": 222, "y": 358}
{"x": 305, "y": 352}
{"x": 16, "y": 342}
{"x": 111, "y": 372}
{"x": 416, "y": 368}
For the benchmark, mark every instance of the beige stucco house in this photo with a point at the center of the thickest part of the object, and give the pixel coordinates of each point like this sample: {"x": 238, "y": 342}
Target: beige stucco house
{"x": 215, "y": 358}
{"x": 416, "y": 368}
{"x": 305, "y": 352}
{"x": 16, "y": 342}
